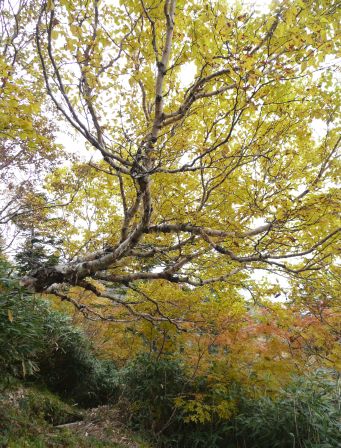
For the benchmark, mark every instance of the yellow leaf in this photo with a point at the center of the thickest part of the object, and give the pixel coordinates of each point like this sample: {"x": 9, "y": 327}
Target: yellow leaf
{"x": 10, "y": 315}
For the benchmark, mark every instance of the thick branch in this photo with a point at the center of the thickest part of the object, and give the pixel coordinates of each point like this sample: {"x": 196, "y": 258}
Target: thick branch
{"x": 197, "y": 230}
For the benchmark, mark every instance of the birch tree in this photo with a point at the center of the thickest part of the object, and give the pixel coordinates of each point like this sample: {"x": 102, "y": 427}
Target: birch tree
{"x": 198, "y": 181}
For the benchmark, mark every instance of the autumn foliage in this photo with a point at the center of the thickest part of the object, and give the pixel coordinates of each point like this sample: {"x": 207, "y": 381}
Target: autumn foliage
{"x": 191, "y": 226}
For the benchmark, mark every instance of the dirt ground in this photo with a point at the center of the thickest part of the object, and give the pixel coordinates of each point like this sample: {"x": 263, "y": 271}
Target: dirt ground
{"x": 104, "y": 423}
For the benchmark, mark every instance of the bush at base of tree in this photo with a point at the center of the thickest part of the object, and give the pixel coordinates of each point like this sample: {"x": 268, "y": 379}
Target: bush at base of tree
{"x": 39, "y": 344}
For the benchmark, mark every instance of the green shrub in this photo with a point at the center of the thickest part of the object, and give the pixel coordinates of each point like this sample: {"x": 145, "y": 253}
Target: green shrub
{"x": 21, "y": 328}
{"x": 69, "y": 366}
{"x": 304, "y": 415}
{"x": 37, "y": 343}
{"x": 151, "y": 386}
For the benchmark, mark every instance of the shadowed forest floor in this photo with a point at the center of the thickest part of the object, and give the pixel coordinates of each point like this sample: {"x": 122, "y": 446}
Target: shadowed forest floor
{"x": 31, "y": 418}
{"x": 104, "y": 423}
